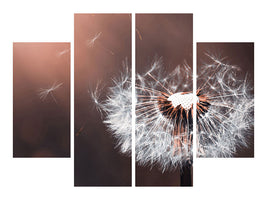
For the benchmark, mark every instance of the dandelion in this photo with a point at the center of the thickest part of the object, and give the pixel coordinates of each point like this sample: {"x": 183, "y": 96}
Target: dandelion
{"x": 164, "y": 113}
{"x": 43, "y": 93}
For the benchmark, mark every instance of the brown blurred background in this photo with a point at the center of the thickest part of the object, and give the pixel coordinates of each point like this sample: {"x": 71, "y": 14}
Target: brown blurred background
{"x": 169, "y": 36}
{"x": 41, "y": 128}
{"x": 238, "y": 54}
{"x": 96, "y": 161}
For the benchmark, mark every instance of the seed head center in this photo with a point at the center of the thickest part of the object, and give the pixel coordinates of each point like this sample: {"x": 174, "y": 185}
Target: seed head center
{"x": 185, "y": 100}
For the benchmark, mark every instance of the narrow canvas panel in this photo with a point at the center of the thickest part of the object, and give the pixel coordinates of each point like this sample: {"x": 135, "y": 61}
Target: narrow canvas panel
{"x": 164, "y": 100}
{"x": 41, "y": 99}
{"x": 225, "y": 108}
{"x": 102, "y": 110}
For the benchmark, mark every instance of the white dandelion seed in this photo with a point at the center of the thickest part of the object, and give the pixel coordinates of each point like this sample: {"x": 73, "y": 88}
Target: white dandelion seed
{"x": 43, "y": 93}
{"x": 63, "y": 52}
{"x": 164, "y": 113}
{"x": 96, "y": 95}
{"x": 91, "y": 41}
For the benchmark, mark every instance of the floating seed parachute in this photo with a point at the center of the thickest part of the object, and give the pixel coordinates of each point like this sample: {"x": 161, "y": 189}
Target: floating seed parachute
{"x": 43, "y": 93}
{"x": 164, "y": 113}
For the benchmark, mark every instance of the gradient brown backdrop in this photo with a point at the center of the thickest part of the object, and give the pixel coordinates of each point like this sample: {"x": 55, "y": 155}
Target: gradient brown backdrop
{"x": 96, "y": 161}
{"x": 169, "y": 36}
{"x": 241, "y": 55}
{"x": 41, "y": 128}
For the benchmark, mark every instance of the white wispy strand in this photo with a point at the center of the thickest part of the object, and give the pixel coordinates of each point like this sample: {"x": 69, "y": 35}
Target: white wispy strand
{"x": 91, "y": 41}
{"x": 63, "y": 52}
{"x": 44, "y": 92}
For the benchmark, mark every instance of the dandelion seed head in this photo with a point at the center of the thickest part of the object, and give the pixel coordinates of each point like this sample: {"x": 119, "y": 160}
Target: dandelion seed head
{"x": 163, "y": 108}
{"x": 164, "y": 113}
{"x": 185, "y": 100}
